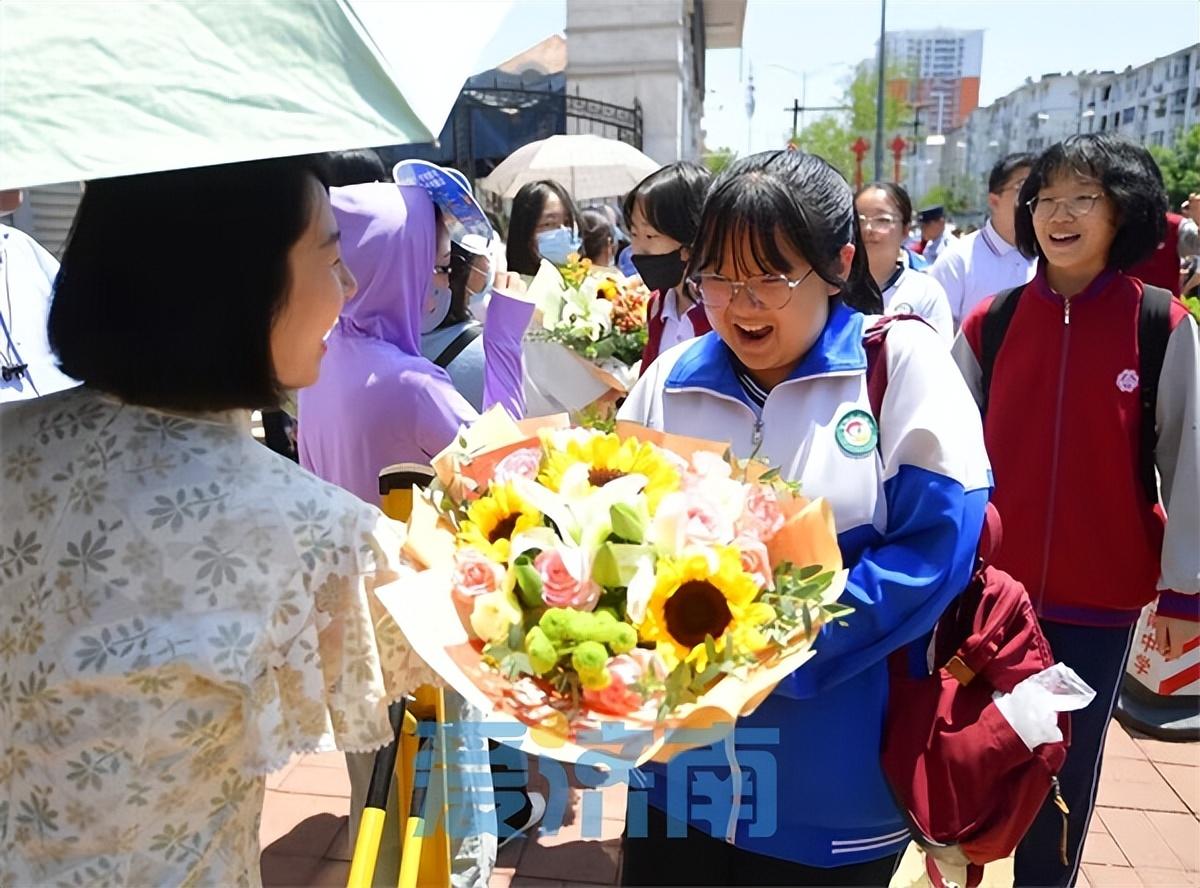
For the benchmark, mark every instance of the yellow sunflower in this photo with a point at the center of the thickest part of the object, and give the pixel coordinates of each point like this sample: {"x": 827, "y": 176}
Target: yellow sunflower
{"x": 493, "y": 520}
{"x": 608, "y": 289}
{"x": 691, "y": 601}
{"x": 610, "y": 458}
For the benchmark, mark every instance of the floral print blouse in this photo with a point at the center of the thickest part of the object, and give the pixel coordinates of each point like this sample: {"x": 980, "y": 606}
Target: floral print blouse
{"x": 180, "y": 611}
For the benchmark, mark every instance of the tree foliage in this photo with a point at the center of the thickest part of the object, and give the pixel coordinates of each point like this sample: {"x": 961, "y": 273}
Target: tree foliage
{"x": 1180, "y": 166}
{"x": 952, "y": 196}
{"x": 831, "y": 136}
{"x": 716, "y": 161}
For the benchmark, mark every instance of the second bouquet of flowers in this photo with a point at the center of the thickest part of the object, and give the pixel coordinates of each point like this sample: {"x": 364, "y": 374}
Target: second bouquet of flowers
{"x": 627, "y": 576}
{"x": 587, "y": 340}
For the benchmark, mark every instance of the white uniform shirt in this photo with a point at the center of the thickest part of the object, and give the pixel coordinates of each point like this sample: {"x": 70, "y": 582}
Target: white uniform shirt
{"x": 677, "y": 326}
{"x": 979, "y": 265}
{"x": 916, "y": 293}
{"x": 27, "y": 275}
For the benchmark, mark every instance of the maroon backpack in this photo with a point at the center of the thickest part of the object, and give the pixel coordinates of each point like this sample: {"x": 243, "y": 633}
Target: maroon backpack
{"x": 968, "y": 786}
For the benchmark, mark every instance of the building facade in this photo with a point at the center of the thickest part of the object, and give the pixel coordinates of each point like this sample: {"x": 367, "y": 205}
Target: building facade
{"x": 941, "y": 68}
{"x": 1152, "y": 103}
{"x": 651, "y": 54}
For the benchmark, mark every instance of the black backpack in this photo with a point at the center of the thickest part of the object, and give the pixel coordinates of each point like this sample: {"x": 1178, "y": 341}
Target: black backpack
{"x": 1154, "y": 329}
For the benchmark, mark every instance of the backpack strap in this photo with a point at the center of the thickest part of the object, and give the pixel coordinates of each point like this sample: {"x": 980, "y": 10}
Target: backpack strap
{"x": 468, "y": 335}
{"x": 995, "y": 324}
{"x": 875, "y": 345}
{"x": 1154, "y": 330}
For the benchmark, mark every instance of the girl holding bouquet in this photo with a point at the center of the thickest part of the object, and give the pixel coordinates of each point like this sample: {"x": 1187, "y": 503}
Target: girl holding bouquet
{"x": 544, "y": 224}
{"x": 783, "y": 376}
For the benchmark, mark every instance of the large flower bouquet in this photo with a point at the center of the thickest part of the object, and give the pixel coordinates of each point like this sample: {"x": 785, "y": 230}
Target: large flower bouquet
{"x": 586, "y": 577}
{"x": 598, "y": 317}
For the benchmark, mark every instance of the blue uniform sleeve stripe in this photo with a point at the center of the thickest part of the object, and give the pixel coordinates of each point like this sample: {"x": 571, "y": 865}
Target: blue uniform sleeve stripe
{"x": 900, "y": 584}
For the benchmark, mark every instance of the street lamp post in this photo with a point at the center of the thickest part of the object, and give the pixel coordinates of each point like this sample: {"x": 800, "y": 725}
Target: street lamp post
{"x": 797, "y": 109}
{"x": 879, "y": 103}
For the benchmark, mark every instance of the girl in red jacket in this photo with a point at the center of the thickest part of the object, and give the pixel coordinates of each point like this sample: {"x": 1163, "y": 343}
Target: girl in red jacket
{"x": 1062, "y": 427}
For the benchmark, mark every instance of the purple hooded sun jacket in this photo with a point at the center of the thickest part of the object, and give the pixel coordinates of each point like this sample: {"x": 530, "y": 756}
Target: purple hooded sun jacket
{"x": 378, "y": 400}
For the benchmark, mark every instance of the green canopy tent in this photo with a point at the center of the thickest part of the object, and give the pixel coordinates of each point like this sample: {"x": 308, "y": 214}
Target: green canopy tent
{"x": 95, "y": 89}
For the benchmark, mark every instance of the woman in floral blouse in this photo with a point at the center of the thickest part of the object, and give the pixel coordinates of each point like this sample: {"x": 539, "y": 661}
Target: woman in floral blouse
{"x": 181, "y": 610}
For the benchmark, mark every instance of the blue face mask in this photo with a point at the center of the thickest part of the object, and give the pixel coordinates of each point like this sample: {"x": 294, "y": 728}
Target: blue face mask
{"x": 556, "y": 245}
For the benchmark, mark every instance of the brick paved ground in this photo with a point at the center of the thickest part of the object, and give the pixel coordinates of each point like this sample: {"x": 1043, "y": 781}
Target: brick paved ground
{"x": 1146, "y": 830}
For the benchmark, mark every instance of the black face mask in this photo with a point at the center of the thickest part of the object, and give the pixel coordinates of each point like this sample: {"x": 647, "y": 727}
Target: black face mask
{"x": 661, "y": 272}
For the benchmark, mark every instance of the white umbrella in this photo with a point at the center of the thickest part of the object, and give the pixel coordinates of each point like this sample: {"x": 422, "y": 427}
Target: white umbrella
{"x": 94, "y": 89}
{"x": 587, "y": 166}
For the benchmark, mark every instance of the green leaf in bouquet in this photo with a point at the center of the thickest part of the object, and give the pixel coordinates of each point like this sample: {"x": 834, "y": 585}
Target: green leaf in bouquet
{"x": 629, "y": 522}
{"x": 616, "y": 564}
{"x": 614, "y": 600}
{"x": 807, "y": 573}
{"x": 769, "y": 475}
{"x": 529, "y": 581}
{"x": 604, "y": 348}
{"x": 678, "y": 689}
{"x": 516, "y": 637}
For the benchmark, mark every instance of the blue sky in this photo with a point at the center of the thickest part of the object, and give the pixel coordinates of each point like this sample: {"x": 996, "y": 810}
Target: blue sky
{"x": 825, "y": 37}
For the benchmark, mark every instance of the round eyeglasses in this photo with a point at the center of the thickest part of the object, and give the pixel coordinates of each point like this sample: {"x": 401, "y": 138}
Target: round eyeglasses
{"x": 769, "y": 291}
{"x": 1076, "y": 207}
{"x": 878, "y": 223}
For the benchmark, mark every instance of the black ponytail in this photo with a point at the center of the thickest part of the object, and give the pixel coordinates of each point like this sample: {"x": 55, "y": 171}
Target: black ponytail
{"x": 794, "y": 196}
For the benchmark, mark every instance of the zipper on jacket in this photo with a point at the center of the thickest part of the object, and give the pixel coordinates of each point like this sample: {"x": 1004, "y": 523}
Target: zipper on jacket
{"x": 1054, "y": 454}
{"x": 756, "y": 436}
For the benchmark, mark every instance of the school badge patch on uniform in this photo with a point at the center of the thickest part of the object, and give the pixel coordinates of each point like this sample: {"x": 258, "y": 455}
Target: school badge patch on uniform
{"x": 856, "y": 433}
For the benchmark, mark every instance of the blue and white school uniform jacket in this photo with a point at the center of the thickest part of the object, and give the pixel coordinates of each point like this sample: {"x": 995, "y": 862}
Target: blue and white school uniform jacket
{"x": 801, "y": 780}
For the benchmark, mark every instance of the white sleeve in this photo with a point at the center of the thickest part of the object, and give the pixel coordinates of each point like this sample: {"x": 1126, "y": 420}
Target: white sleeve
{"x": 1189, "y": 238}
{"x": 640, "y": 405}
{"x": 1178, "y": 457}
{"x": 950, "y": 270}
{"x": 935, "y": 308}
{"x": 968, "y": 366}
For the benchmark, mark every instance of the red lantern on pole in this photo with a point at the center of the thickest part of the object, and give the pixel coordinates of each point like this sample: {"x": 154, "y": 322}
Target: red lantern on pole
{"x": 898, "y": 145}
{"x": 860, "y": 149}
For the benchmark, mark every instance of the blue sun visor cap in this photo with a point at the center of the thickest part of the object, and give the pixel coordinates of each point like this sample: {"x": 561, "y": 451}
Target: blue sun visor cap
{"x": 451, "y": 192}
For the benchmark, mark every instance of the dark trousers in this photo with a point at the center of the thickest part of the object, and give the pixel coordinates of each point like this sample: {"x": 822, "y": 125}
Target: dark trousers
{"x": 701, "y": 860}
{"x": 1098, "y": 656}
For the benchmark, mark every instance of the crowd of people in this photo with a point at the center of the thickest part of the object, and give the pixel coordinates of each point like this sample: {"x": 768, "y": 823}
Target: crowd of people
{"x": 183, "y": 610}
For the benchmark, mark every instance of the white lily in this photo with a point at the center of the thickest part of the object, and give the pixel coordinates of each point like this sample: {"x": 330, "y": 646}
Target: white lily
{"x": 640, "y": 590}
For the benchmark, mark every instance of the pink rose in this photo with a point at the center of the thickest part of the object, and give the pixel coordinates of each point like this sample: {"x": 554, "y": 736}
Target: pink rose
{"x": 705, "y": 467}
{"x": 475, "y": 574}
{"x": 564, "y": 580}
{"x": 706, "y": 525}
{"x": 524, "y": 463}
{"x": 756, "y": 561}
{"x": 761, "y": 516}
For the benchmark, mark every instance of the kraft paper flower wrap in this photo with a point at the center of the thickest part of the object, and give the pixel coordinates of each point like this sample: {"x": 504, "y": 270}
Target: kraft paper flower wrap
{"x": 628, "y": 594}
{"x": 589, "y": 331}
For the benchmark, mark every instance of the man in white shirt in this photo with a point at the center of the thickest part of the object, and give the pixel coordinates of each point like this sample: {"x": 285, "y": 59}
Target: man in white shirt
{"x": 28, "y": 368}
{"x": 934, "y": 235}
{"x": 986, "y": 262}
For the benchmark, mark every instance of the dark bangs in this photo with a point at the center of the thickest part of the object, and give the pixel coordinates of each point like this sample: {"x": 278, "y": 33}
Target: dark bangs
{"x": 762, "y": 210}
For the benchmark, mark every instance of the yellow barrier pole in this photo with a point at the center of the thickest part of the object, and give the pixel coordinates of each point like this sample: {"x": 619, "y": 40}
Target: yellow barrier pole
{"x": 370, "y": 825}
